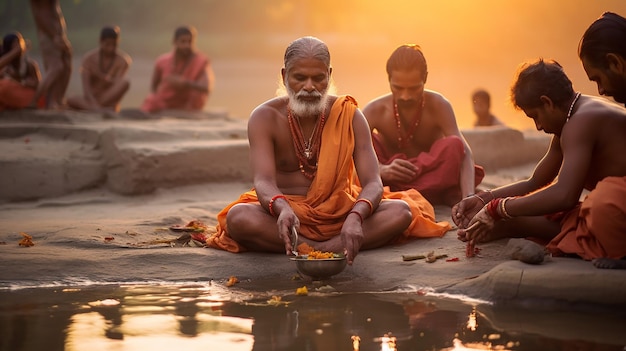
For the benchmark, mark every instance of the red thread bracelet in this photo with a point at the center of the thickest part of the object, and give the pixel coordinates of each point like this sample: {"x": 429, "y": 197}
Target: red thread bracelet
{"x": 368, "y": 202}
{"x": 358, "y": 214}
{"x": 270, "y": 205}
{"x": 492, "y": 208}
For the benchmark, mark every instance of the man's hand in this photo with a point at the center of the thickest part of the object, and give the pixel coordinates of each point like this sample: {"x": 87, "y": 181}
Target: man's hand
{"x": 479, "y": 227}
{"x": 399, "y": 171}
{"x": 352, "y": 237}
{"x": 465, "y": 210}
{"x": 286, "y": 220}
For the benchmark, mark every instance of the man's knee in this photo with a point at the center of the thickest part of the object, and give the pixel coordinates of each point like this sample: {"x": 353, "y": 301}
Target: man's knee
{"x": 398, "y": 210}
{"x": 239, "y": 219}
{"x": 453, "y": 144}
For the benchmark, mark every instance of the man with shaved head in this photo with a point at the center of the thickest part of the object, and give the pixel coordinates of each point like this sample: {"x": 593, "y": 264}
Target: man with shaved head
{"x": 315, "y": 171}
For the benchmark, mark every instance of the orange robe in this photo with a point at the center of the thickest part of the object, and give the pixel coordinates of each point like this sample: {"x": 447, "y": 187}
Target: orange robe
{"x": 167, "y": 97}
{"x": 333, "y": 190}
{"x": 14, "y": 95}
{"x": 440, "y": 169}
{"x": 597, "y": 226}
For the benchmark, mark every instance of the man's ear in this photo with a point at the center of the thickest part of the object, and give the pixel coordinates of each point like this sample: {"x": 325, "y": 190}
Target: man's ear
{"x": 282, "y": 73}
{"x": 546, "y": 102}
{"x": 330, "y": 72}
{"x": 616, "y": 63}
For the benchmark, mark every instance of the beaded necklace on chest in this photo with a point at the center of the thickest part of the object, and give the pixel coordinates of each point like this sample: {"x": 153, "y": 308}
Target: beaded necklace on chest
{"x": 403, "y": 142}
{"x": 571, "y": 107}
{"x": 306, "y": 151}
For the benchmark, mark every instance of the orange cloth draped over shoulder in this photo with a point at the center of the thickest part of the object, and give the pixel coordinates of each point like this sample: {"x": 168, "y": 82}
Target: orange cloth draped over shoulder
{"x": 333, "y": 191}
{"x": 169, "y": 97}
{"x": 14, "y": 95}
{"x": 597, "y": 226}
{"x": 439, "y": 169}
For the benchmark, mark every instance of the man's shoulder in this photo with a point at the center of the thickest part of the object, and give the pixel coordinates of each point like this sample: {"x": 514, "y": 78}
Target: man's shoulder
{"x": 269, "y": 107}
{"x": 91, "y": 55}
{"x": 435, "y": 96}
{"x": 164, "y": 58}
{"x": 121, "y": 55}
{"x": 378, "y": 104}
{"x": 200, "y": 56}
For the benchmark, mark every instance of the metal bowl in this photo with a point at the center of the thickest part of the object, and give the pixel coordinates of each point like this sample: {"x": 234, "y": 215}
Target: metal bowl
{"x": 319, "y": 269}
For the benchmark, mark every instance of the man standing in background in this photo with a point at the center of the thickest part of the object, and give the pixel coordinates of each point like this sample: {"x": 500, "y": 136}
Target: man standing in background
{"x": 56, "y": 52}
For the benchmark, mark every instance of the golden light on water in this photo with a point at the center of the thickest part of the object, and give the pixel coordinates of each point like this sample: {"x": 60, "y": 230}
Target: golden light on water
{"x": 356, "y": 342}
{"x": 472, "y": 324}
{"x": 388, "y": 343}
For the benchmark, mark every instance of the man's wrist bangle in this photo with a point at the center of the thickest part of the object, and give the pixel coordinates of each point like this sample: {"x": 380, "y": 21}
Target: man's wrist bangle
{"x": 502, "y": 208}
{"x": 479, "y": 198}
{"x": 358, "y": 214}
{"x": 270, "y": 205}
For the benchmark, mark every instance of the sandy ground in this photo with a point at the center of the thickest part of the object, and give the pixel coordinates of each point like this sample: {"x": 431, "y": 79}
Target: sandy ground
{"x": 70, "y": 235}
{"x": 101, "y": 237}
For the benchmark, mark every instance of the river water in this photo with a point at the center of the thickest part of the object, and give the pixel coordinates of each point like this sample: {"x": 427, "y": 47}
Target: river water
{"x": 206, "y": 316}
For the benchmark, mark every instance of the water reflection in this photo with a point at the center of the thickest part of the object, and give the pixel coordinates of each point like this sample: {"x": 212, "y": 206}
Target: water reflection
{"x": 202, "y": 317}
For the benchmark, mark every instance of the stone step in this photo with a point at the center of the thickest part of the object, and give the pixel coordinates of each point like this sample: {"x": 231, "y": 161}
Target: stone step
{"x": 63, "y": 154}
{"x": 48, "y": 154}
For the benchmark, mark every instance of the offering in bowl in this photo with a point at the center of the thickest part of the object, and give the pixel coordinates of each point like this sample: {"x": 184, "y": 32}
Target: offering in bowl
{"x": 320, "y": 268}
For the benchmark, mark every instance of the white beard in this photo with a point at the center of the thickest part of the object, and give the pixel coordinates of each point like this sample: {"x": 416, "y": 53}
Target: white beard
{"x": 306, "y": 109}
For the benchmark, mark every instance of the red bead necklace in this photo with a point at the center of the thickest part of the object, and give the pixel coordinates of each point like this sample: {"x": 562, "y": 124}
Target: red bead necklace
{"x": 403, "y": 142}
{"x": 306, "y": 151}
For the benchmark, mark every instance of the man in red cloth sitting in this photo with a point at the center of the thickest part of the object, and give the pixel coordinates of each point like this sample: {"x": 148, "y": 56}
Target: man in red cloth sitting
{"x": 415, "y": 135}
{"x": 182, "y": 79}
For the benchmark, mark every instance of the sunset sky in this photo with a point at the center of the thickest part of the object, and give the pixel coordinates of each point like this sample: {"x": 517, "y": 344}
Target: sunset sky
{"x": 468, "y": 44}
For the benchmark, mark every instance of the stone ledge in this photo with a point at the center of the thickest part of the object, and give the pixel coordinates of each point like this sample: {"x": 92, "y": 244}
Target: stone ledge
{"x": 502, "y": 147}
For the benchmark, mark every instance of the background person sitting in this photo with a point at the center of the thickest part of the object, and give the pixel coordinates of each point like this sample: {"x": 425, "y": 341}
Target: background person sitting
{"x": 103, "y": 73}
{"x": 19, "y": 75}
{"x": 182, "y": 78}
{"x": 481, "y": 103}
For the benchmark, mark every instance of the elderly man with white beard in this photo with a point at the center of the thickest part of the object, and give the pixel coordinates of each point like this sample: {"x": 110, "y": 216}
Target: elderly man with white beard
{"x": 315, "y": 170}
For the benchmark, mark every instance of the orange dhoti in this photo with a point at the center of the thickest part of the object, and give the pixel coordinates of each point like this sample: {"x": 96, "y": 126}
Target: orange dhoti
{"x": 439, "y": 169}
{"x": 597, "y": 226}
{"x": 333, "y": 191}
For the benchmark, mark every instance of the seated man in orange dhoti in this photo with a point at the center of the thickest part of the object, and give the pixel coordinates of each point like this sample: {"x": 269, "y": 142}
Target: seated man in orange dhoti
{"x": 586, "y": 152}
{"x": 103, "y": 73}
{"x": 304, "y": 150}
{"x": 416, "y": 137}
{"x": 19, "y": 75}
{"x": 182, "y": 79}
